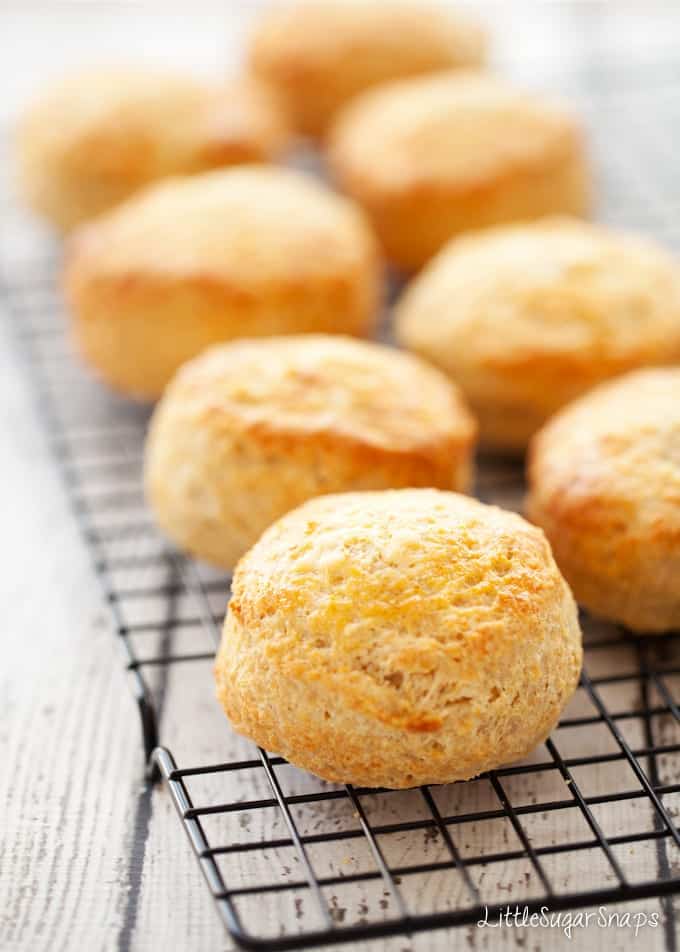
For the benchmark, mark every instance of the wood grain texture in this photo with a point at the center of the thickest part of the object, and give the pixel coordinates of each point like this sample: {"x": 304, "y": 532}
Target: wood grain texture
{"x": 70, "y": 732}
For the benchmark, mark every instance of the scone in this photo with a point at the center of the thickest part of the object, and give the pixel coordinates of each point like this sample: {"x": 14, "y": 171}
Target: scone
{"x": 318, "y": 55}
{"x": 245, "y": 252}
{"x": 398, "y": 638}
{"x": 99, "y": 136}
{"x": 430, "y": 158}
{"x": 251, "y": 429}
{"x": 526, "y": 318}
{"x": 604, "y": 479}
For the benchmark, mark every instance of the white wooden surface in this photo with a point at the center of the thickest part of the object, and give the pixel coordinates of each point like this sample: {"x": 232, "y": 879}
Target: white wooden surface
{"x": 91, "y": 858}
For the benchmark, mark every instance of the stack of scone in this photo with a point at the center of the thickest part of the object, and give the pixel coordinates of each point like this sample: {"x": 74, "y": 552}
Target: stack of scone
{"x": 384, "y": 629}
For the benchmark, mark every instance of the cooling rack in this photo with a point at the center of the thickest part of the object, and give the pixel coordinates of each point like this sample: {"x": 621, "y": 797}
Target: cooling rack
{"x": 589, "y": 819}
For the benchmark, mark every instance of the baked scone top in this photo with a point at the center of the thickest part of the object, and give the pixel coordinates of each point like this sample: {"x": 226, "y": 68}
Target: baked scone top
{"x": 325, "y": 52}
{"x": 311, "y": 384}
{"x": 250, "y": 224}
{"x": 138, "y": 124}
{"x": 613, "y": 456}
{"x": 395, "y": 33}
{"x": 432, "y": 593}
{"x": 455, "y": 130}
{"x": 553, "y": 289}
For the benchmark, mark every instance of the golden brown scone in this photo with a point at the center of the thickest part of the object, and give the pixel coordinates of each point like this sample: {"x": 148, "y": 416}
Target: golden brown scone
{"x": 398, "y": 638}
{"x": 526, "y": 318}
{"x": 604, "y": 478}
{"x": 318, "y": 55}
{"x": 433, "y": 157}
{"x": 100, "y": 135}
{"x": 245, "y": 252}
{"x": 251, "y": 429}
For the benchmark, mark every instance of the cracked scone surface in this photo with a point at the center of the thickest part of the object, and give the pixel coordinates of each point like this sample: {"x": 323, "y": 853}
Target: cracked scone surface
{"x": 398, "y": 638}
{"x": 525, "y": 318}
{"x": 98, "y": 136}
{"x": 320, "y": 54}
{"x": 249, "y": 430}
{"x": 246, "y": 252}
{"x": 433, "y": 157}
{"x": 604, "y": 479}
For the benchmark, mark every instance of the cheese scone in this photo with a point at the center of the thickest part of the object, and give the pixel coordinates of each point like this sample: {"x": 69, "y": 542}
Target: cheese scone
{"x": 98, "y": 136}
{"x": 526, "y": 318}
{"x": 398, "y": 638}
{"x": 245, "y": 252}
{"x": 319, "y": 54}
{"x": 431, "y": 158}
{"x": 604, "y": 478}
{"x": 251, "y": 429}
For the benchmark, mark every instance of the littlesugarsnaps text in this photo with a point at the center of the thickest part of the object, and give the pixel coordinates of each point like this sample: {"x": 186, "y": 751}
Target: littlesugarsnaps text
{"x": 519, "y": 917}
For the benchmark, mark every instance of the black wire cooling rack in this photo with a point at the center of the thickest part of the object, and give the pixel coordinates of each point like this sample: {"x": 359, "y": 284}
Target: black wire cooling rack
{"x": 292, "y": 861}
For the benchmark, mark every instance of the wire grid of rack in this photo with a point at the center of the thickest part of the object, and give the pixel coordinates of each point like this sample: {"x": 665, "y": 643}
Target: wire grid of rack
{"x": 292, "y": 861}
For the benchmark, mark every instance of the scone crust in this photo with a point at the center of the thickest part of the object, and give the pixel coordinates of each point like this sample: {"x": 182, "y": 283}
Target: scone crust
{"x": 398, "y": 638}
{"x": 433, "y": 157}
{"x": 251, "y": 429}
{"x": 604, "y": 478}
{"x": 245, "y": 252}
{"x": 526, "y": 318}
{"x": 101, "y": 135}
{"x": 319, "y": 55}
